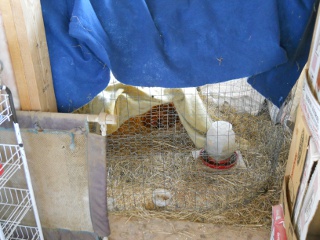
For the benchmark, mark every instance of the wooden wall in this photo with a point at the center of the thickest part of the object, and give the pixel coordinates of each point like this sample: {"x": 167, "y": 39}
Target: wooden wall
{"x": 24, "y": 29}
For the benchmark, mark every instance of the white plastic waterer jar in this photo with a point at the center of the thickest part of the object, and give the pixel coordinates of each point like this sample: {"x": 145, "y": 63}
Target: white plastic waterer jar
{"x": 221, "y": 141}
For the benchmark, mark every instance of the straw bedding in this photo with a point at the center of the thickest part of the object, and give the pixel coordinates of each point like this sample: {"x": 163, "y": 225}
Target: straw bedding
{"x": 141, "y": 159}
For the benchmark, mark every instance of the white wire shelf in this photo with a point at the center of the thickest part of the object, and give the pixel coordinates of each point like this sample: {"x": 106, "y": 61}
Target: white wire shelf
{"x": 5, "y": 109}
{"x": 25, "y": 232}
{"x": 14, "y": 205}
{"x": 10, "y": 162}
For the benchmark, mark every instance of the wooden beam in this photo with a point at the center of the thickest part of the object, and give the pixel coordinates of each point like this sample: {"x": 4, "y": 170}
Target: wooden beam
{"x": 7, "y": 75}
{"x": 23, "y": 23}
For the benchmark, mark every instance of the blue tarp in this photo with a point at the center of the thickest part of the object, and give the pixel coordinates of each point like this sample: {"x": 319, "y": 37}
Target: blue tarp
{"x": 296, "y": 20}
{"x": 182, "y": 43}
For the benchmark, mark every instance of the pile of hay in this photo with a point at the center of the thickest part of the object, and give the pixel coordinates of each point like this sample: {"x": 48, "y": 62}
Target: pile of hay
{"x": 140, "y": 160}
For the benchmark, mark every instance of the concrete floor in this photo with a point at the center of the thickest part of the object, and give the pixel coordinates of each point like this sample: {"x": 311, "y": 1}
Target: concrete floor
{"x": 124, "y": 228}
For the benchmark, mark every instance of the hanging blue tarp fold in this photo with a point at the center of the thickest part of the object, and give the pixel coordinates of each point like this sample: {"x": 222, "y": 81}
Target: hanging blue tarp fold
{"x": 167, "y": 43}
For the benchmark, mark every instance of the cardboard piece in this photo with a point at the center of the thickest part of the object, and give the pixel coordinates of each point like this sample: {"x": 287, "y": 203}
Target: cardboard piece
{"x": 287, "y": 213}
{"x": 311, "y": 111}
{"x": 314, "y": 60}
{"x": 300, "y": 195}
{"x": 312, "y": 158}
{"x": 309, "y": 218}
{"x": 297, "y": 157}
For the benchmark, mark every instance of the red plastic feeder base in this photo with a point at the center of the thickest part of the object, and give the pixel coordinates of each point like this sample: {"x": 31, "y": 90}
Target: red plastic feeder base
{"x": 222, "y": 164}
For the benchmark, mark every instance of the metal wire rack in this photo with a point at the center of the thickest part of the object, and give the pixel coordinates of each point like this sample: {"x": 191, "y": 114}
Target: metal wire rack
{"x": 15, "y": 203}
{"x": 25, "y": 232}
{"x": 10, "y": 162}
{"x": 5, "y": 110}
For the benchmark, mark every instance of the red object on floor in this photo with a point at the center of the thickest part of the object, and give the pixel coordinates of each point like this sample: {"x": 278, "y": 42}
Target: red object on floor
{"x": 278, "y": 229}
{"x": 222, "y": 164}
{"x": 1, "y": 169}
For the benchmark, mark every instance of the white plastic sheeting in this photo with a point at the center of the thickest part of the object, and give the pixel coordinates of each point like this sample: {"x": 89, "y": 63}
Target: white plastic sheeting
{"x": 127, "y": 101}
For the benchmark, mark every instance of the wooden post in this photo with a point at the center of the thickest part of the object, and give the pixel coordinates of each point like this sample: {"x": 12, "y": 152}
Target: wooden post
{"x": 24, "y": 28}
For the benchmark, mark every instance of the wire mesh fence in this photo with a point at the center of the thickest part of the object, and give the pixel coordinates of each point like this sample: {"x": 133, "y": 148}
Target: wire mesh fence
{"x": 155, "y": 160}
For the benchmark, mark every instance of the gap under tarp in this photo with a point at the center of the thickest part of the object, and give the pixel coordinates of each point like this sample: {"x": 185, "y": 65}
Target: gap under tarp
{"x": 68, "y": 171}
{"x": 175, "y": 44}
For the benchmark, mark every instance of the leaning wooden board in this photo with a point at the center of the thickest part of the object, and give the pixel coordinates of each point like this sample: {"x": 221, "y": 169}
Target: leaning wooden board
{"x": 24, "y": 29}
{"x": 6, "y": 74}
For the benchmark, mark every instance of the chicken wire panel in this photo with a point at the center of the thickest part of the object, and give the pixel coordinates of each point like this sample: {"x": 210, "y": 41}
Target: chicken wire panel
{"x": 154, "y": 159}
{"x": 154, "y": 150}
{"x": 236, "y": 93}
{"x": 138, "y": 165}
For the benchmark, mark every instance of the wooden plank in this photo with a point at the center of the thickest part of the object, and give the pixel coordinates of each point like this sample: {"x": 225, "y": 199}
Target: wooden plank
{"x": 29, "y": 53}
{"x": 7, "y": 75}
{"x": 39, "y": 53}
{"x": 14, "y": 49}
